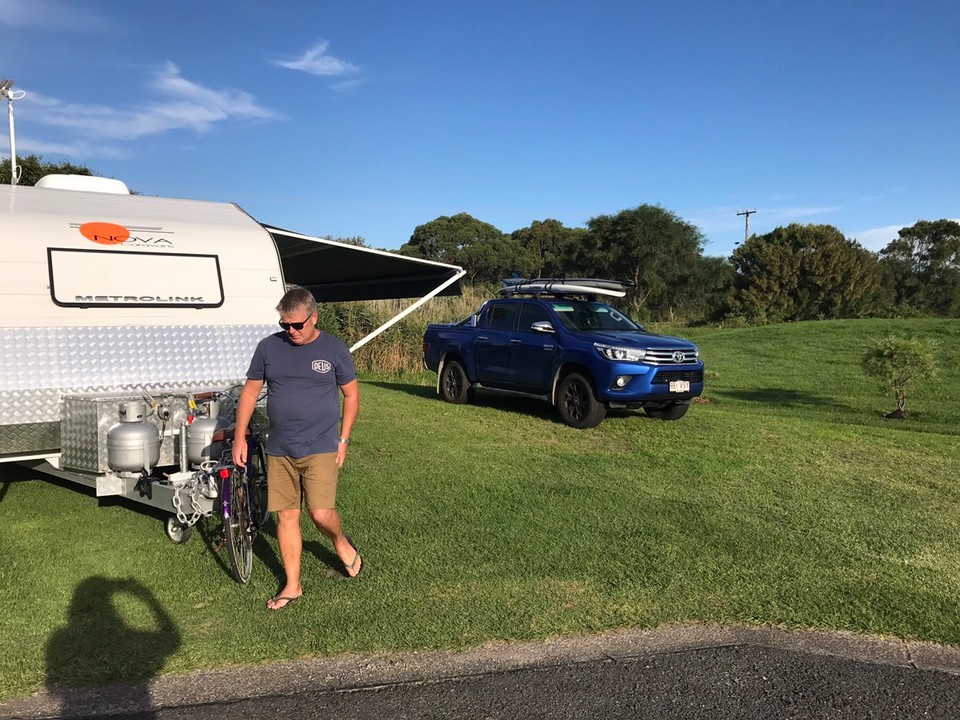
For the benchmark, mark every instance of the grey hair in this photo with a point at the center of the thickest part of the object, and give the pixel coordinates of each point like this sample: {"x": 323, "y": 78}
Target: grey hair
{"x": 296, "y": 298}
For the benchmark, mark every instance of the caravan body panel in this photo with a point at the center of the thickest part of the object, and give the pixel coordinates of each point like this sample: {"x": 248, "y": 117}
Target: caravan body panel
{"x": 107, "y": 294}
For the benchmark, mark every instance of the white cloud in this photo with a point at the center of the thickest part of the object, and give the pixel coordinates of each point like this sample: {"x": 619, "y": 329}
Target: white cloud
{"x": 346, "y": 85}
{"x": 49, "y": 15}
{"x": 878, "y": 238}
{"x": 183, "y": 105}
{"x": 83, "y": 150}
{"x": 316, "y": 62}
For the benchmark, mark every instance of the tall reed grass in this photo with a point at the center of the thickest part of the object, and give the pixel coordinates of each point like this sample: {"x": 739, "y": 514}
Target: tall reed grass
{"x": 398, "y": 350}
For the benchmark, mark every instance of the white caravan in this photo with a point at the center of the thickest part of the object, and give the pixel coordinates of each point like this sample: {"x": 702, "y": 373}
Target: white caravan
{"x": 125, "y": 307}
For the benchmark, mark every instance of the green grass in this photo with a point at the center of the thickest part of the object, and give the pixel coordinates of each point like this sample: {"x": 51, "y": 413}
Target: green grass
{"x": 783, "y": 498}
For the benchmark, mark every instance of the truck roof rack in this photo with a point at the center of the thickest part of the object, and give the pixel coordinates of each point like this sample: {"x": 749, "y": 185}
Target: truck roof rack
{"x": 563, "y": 287}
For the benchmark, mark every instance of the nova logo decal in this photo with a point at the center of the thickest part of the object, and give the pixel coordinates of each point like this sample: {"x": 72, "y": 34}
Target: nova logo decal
{"x": 321, "y": 366}
{"x": 105, "y": 233}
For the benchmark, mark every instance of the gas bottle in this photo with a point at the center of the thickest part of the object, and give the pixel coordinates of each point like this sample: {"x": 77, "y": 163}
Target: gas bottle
{"x": 133, "y": 445}
{"x": 200, "y": 445}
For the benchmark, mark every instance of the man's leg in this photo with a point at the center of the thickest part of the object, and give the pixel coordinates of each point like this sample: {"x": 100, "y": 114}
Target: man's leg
{"x": 320, "y": 490}
{"x": 328, "y": 522}
{"x": 290, "y": 540}
{"x": 283, "y": 485}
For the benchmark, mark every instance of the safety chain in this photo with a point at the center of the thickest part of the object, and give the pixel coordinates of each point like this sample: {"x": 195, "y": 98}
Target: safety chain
{"x": 182, "y": 517}
{"x": 198, "y": 511}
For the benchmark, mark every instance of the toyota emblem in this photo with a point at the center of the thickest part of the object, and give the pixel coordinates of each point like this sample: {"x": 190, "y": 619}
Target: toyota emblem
{"x": 678, "y": 356}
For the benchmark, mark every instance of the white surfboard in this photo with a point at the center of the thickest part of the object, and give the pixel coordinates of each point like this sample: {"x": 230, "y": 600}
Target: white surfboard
{"x": 564, "y": 286}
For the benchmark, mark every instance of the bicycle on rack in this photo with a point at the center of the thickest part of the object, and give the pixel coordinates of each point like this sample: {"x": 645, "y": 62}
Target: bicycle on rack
{"x": 209, "y": 483}
{"x": 243, "y": 500}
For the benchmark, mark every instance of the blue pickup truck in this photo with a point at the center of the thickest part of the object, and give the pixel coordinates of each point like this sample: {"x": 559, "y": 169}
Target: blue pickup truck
{"x": 554, "y": 339}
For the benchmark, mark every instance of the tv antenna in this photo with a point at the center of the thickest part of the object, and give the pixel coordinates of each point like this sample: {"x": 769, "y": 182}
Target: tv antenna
{"x": 7, "y": 91}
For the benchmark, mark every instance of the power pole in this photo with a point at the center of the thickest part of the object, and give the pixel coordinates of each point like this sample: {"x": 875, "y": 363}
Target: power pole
{"x": 746, "y": 222}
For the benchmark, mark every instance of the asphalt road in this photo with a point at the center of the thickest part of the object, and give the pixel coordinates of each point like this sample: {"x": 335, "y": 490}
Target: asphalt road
{"x": 674, "y": 672}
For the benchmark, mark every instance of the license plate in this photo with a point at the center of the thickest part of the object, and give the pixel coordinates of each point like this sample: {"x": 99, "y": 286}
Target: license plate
{"x": 679, "y": 386}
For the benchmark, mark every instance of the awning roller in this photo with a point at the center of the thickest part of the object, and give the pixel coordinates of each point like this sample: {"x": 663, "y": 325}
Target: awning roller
{"x": 336, "y": 272}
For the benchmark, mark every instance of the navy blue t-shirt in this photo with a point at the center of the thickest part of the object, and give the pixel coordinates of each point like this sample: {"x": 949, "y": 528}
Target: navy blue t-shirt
{"x": 303, "y": 392}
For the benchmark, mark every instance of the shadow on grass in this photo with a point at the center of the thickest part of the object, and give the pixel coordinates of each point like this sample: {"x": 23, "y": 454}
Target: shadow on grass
{"x": 529, "y": 407}
{"x": 12, "y": 473}
{"x": 422, "y": 391}
{"x": 98, "y": 646}
{"x": 483, "y": 398}
{"x": 209, "y": 528}
{"x": 211, "y": 532}
{"x": 840, "y": 413}
{"x": 543, "y": 410}
{"x": 784, "y": 396}
{"x": 325, "y": 555}
{"x": 263, "y": 550}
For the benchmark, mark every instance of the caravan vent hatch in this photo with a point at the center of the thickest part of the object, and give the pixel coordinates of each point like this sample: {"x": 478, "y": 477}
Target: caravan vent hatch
{"x": 85, "y": 183}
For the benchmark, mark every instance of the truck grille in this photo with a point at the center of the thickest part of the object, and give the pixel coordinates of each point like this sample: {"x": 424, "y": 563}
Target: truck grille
{"x": 664, "y": 377}
{"x": 670, "y": 357}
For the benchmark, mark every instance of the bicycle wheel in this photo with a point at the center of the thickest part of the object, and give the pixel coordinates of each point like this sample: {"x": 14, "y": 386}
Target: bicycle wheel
{"x": 258, "y": 484}
{"x": 238, "y": 527}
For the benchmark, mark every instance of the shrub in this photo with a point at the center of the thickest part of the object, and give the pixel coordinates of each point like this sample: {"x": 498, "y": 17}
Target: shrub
{"x": 896, "y": 362}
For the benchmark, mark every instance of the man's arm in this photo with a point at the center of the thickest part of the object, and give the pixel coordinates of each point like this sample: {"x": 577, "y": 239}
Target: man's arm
{"x": 351, "y": 407}
{"x": 245, "y": 407}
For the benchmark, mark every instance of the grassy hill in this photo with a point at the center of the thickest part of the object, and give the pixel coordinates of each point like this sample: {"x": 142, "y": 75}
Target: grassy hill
{"x": 784, "y": 498}
{"x": 815, "y": 366}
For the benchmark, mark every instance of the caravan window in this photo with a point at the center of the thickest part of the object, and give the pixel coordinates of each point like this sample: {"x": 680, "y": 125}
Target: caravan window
{"x": 111, "y": 278}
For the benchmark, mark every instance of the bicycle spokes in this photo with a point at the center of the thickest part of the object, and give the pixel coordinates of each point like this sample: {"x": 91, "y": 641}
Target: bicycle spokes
{"x": 238, "y": 526}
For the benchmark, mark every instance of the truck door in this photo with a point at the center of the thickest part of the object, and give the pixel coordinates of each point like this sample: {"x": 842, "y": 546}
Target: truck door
{"x": 491, "y": 345}
{"x": 532, "y": 353}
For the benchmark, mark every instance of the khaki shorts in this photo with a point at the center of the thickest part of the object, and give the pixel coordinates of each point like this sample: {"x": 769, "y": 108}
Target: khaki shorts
{"x": 316, "y": 475}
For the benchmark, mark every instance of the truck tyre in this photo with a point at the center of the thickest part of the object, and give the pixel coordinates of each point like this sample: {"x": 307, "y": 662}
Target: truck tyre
{"x": 577, "y": 404}
{"x": 673, "y": 411}
{"x": 454, "y": 385}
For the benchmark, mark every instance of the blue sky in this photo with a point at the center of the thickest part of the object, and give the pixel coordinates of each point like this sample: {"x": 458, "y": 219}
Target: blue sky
{"x": 370, "y": 118}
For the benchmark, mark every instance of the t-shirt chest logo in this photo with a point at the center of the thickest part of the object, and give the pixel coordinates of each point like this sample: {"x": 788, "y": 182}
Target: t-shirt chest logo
{"x": 321, "y": 366}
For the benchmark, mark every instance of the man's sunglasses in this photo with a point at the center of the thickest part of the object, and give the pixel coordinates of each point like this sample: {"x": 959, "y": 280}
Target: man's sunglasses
{"x": 296, "y": 325}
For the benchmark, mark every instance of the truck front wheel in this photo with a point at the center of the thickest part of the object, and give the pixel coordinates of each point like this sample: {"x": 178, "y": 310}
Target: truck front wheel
{"x": 578, "y": 406}
{"x": 454, "y": 385}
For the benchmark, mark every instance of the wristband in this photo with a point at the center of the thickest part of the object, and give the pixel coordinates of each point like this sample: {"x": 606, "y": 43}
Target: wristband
{"x": 345, "y": 441}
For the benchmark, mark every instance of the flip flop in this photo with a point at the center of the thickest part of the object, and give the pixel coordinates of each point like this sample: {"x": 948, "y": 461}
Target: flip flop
{"x": 356, "y": 558}
{"x": 277, "y": 598}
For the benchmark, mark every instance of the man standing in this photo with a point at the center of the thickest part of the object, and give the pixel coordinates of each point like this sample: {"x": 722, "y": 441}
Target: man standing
{"x": 305, "y": 371}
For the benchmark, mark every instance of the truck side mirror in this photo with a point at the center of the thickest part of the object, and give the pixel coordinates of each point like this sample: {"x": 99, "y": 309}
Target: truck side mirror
{"x": 542, "y": 326}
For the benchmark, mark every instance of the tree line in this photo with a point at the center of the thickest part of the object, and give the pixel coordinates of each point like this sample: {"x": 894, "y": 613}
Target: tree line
{"x": 795, "y": 272}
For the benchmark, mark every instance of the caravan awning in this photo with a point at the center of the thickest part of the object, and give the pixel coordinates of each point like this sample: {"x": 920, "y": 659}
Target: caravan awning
{"x": 335, "y": 271}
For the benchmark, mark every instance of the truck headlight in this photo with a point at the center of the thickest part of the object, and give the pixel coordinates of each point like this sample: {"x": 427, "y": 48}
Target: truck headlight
{"x": 623, "y": 354}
